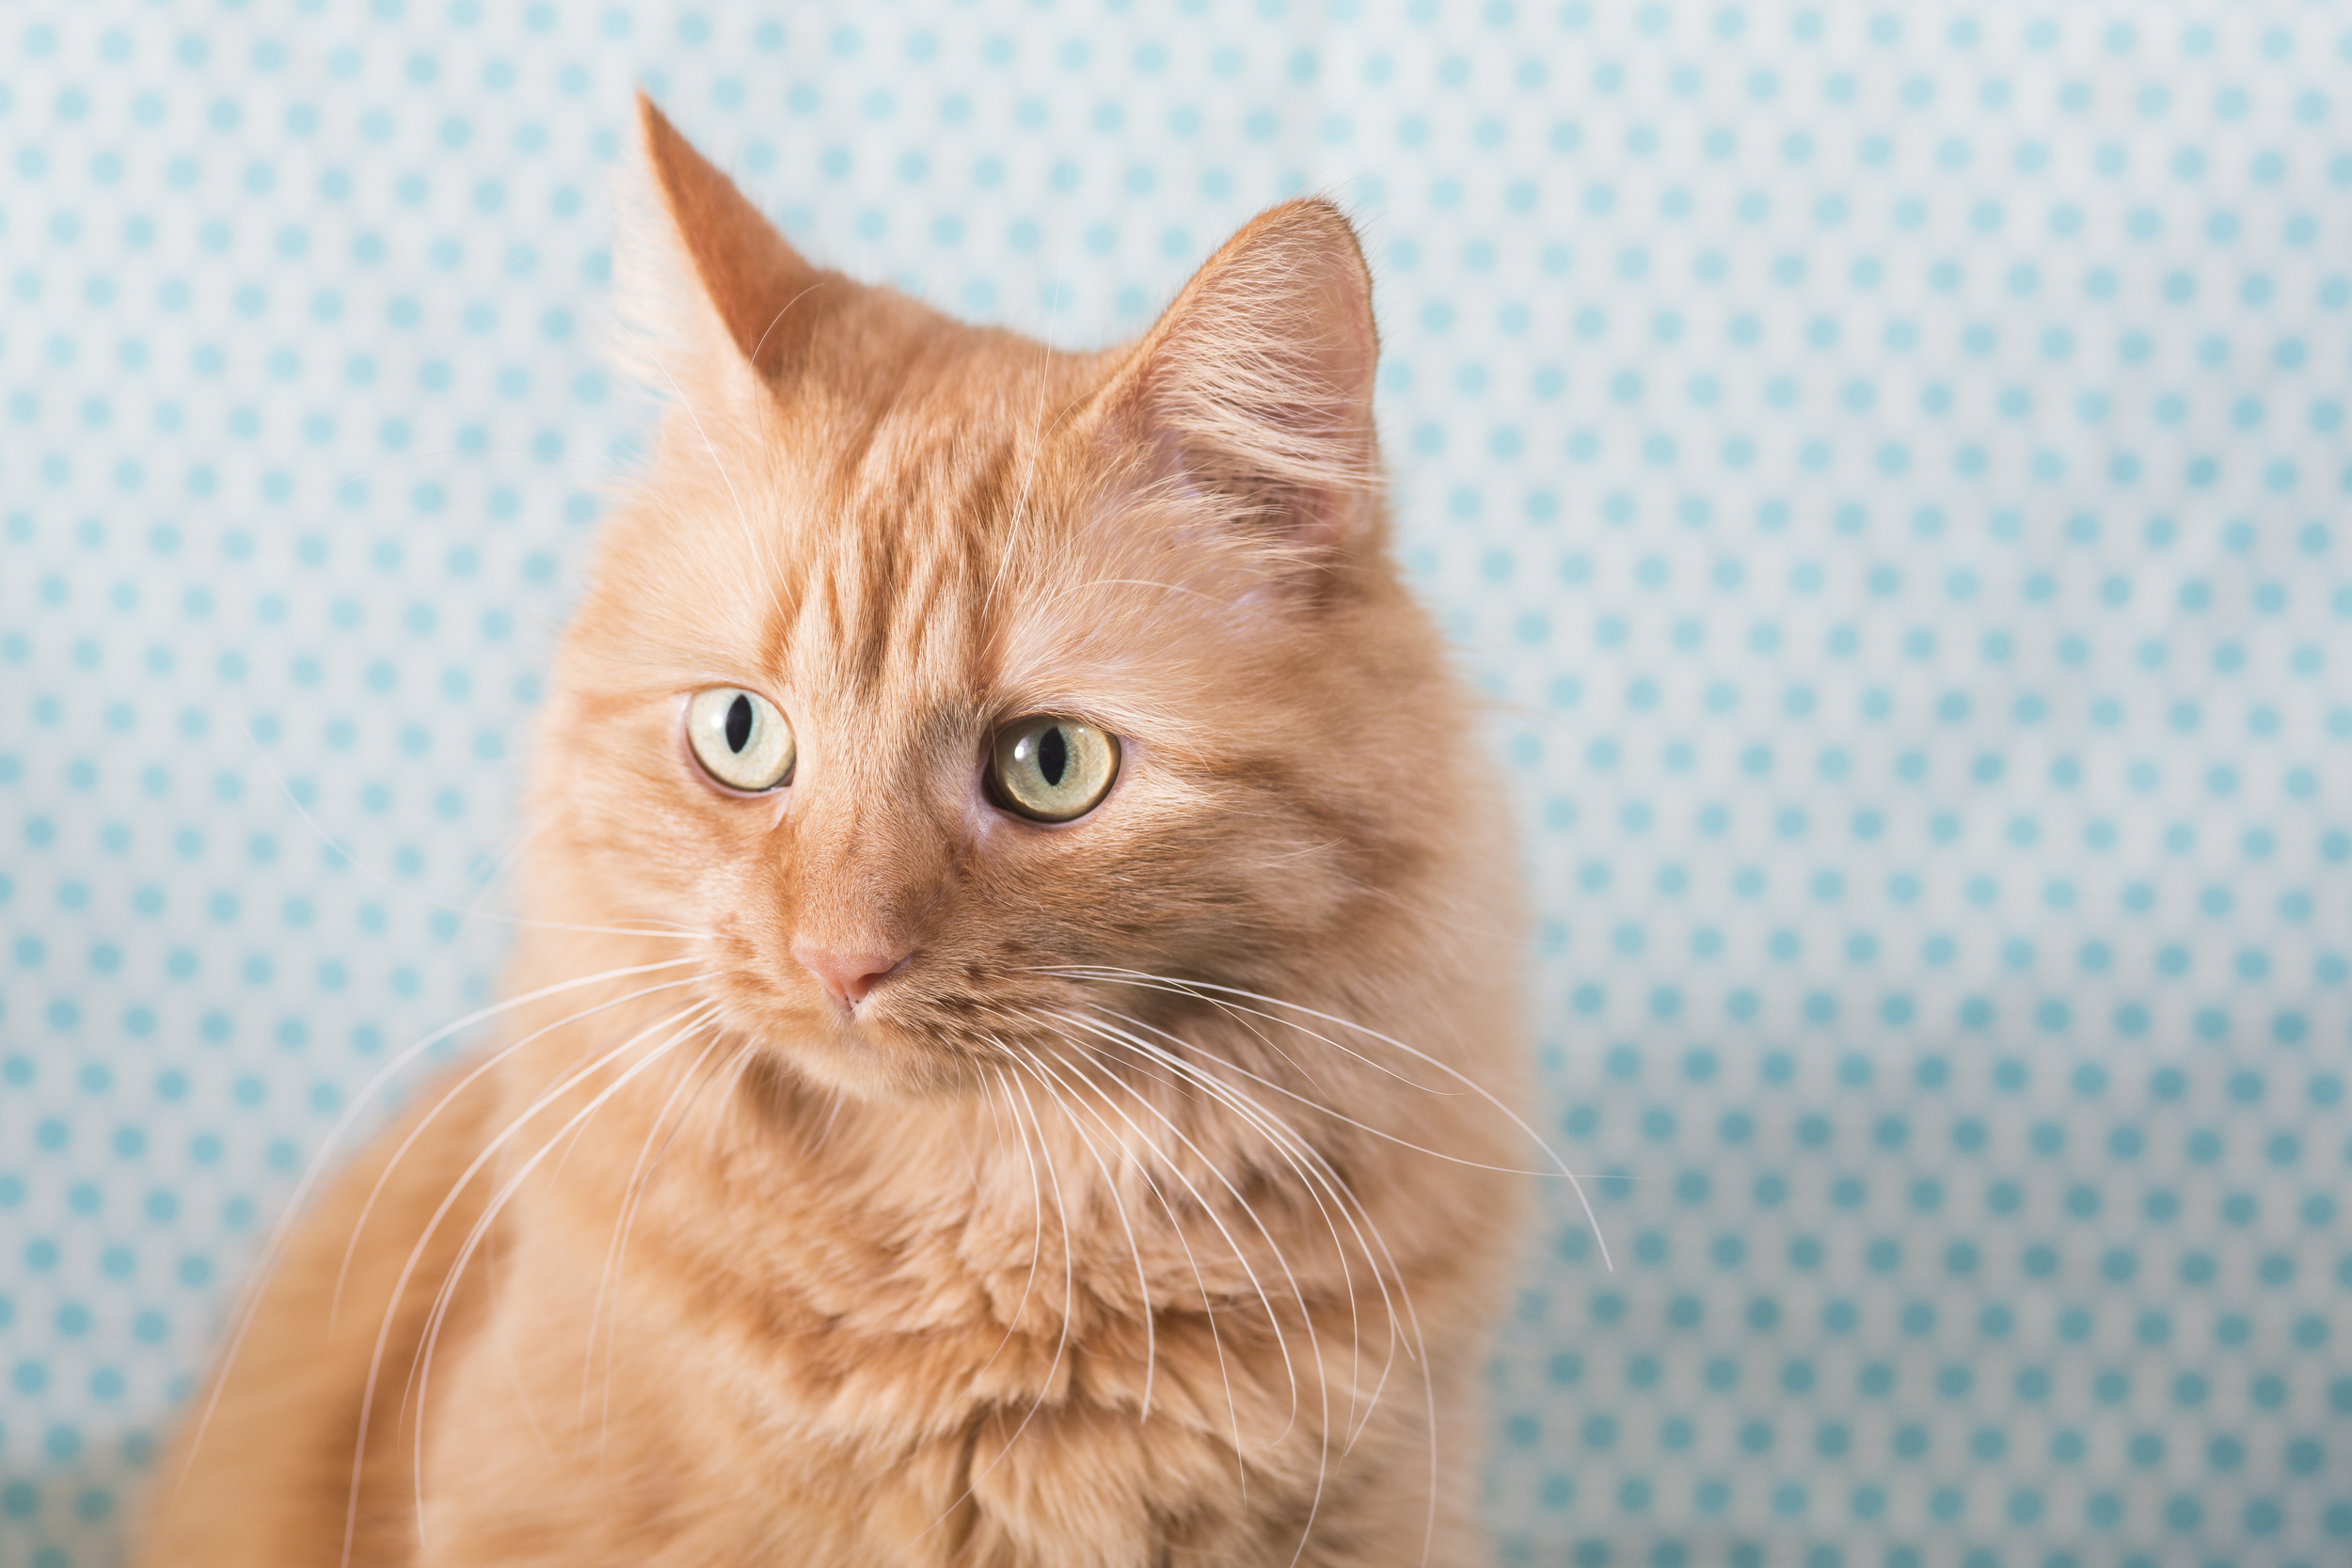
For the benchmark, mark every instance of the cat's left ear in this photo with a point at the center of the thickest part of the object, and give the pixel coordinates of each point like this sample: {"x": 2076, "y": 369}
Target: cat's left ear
{"x": 708, "y": 275}
{"x": 1257, "y": 382}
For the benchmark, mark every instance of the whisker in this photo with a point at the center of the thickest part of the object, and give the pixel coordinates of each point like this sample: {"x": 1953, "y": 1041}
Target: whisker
{"x": 297, "y": 1203}
{"x": 1069, "y": 1306}
{"x": 351, "y": 1247}
{"x": 1176, "y": 1229}
{"x": 1345, "y": 1197}
{"x": 759, "y": 541}
{"x": 415, "y": 1255}
{"x": 1119, "y": 1205}
{"x": 1036, "y": 1234}
{"x": 1273, "y": 1318}
{"x": 422, "y": 1369}
{"x": 1195, "y": 989}
{"x": 1341, "y": 1117}
{"x": 1177, "y": 1086}
{"x": 1323, "y": 1384}
{"x": 988, "y": 1098}
{"x": 532, "y": 828}
{"x": 724, "y": 478}
{"x": 691, "y": 1081}
{"x": 1289, "y": 1142}
{"x": 832, "y": 1114}
{"x": 963, "y": 1146}
{"x": 734, "y": 1065}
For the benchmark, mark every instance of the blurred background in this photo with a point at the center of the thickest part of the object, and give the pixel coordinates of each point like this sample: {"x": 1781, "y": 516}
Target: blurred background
{"x": 1885, "y": 463}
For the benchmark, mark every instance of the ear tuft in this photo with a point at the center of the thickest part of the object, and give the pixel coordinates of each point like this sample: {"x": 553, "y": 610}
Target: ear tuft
{"x": 1260, "y": 375}
{"x": 752, "y": 282}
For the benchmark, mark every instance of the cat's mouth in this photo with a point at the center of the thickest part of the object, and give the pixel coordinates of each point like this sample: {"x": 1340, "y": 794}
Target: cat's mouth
{"x": 909, "y": 1037}
{"x": 949, "y": 1018}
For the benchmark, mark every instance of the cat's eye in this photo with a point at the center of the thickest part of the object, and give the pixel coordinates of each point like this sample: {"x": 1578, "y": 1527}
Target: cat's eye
{"x": 1052, "y": 769}
{"x": 739, "y": 739}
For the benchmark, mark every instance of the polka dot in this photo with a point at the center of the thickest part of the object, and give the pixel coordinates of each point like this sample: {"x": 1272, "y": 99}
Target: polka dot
{"x": 1936, "y": 835}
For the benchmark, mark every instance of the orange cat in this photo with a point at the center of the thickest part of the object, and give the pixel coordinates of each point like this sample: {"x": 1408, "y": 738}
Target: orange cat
{"x": 1013, "y": 1036}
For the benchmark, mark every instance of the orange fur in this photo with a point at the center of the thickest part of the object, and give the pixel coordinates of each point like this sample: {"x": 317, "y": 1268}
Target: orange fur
{"x": 1065, "y": 1248}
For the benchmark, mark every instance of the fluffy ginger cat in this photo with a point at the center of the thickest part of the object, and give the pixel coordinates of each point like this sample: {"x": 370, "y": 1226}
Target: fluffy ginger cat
{"x": 1008, "y": 1060}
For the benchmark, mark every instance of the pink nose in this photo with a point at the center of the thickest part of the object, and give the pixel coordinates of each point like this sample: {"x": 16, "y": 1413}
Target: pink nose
{"x": 847, "y": 976}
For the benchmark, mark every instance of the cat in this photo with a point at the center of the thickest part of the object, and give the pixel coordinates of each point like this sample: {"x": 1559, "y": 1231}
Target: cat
{"x": 1014, "y": 1031}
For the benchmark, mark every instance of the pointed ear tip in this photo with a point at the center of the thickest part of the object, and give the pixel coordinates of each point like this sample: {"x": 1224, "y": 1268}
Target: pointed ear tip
{"x": 664, "y": 148}
{"x": 1318, "y": 223}
{"x": 654, "y": 129}
{"x": 1316, "y": 214}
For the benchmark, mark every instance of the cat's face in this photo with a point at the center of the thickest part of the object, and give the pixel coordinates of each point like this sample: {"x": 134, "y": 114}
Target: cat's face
{"x": 929, "y": 665}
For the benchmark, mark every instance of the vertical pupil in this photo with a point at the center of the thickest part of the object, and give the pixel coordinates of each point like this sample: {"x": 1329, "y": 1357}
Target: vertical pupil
{"x": 1053, "y": 755}
{"x": 739, "y": 724}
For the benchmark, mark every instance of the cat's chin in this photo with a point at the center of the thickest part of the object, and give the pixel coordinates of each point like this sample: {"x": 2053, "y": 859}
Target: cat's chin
{"x": 869, "y": 1060}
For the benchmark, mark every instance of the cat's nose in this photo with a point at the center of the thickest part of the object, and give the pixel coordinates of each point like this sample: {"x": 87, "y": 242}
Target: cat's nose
{"x": 846, "y": 973}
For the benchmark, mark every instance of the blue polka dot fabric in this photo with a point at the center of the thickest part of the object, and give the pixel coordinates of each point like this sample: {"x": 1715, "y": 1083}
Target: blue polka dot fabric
{"x": 1886, "y": 465}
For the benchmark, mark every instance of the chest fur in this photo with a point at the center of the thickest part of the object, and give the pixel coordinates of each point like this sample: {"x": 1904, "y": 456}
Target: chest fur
{"x": 987, "y": 1388}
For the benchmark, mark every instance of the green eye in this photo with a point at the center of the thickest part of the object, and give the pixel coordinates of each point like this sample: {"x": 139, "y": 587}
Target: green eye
{"x": 1052, "y": 769}
{"x": 739, "y": 739}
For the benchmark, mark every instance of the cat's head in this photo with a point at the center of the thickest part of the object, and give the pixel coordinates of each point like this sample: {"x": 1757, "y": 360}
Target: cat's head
{"x": 941, "y": 677}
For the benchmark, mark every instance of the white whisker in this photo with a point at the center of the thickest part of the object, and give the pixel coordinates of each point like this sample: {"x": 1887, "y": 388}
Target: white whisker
{"x": 422, "y": 1369}
{"x": 724, "y": 478}
{"x": 1037, "y": 1235}
{"x": 1278, "y": 1130}
{"x": 1291, "y": 1145}
{"x": 298, "y": 1202}
{"x": 1176, "y": 1229}
{"x": 1305, "y": 1314}
{"x": 1274, "y": 1319}
{"x": 639, "y": 1171}
{"x": 735, "y": 1064}
{"x": 415, "y": 1255}
{"x": 1069, "y": 1308}
{"x": 1119, "y": 1205}
{"x": 351, "y": 1247}
{"x": 832, "y": 1114}
{"x": 1195, "y": 989}
{"x": 1382, "y": 1133}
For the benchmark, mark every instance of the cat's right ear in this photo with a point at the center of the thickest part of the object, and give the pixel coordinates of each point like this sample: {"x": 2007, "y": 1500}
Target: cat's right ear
{"x": 708, "y": 281}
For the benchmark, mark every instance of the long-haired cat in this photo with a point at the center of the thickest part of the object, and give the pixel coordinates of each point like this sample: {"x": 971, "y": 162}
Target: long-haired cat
{"x": 1012, "y": 1047}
